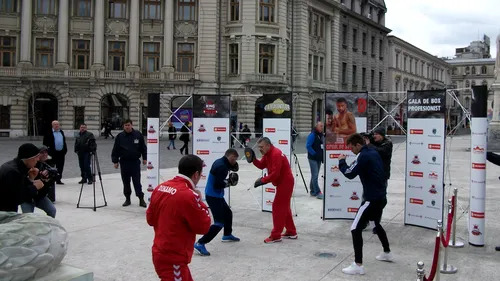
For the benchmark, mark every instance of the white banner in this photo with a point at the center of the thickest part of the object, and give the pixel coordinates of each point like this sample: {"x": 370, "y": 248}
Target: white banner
{"x": 342, "y": 196}
{"x": 210, "y": 142}
{"x": 425, "y": 150}
{"x": 479, "y": 138}
{"x": 153, "y": 156}
{"x": 278, "y": 130}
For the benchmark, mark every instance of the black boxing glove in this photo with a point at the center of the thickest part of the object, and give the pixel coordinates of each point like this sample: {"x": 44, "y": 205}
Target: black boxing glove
{"x": 233, "y": 179}
{"x": 249, "y": 154}
{"x": 258, "y": 183}
{"x": 235, "y": 167}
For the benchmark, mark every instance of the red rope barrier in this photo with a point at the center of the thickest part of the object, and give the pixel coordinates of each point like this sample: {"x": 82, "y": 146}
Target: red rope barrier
{"x": 446, "y": 240}
{"x": 435, "y": 260}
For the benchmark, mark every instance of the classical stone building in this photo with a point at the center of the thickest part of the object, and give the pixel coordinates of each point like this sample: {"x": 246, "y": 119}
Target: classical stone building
{"x": 411, "y": 68}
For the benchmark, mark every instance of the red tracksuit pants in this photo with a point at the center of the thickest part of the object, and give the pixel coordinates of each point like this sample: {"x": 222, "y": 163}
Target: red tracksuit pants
{"x": 282, "y": 213}
{"x": 174, "y": 272}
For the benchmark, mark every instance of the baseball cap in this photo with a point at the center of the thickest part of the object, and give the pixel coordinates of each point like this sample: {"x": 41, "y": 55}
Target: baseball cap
{"x": 43, "y": 148}
{"x": 28, "y": 151}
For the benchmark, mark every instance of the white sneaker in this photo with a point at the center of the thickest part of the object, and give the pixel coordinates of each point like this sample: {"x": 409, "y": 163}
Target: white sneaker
{"x": 354, "y": 269}
{"x": 388, "y": 257}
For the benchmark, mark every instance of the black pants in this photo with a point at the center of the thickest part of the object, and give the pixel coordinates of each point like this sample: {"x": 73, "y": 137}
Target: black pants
{"x": 131, "y": 169}
{"x": 368, "y": 211}
{"x": 185, "y": 147}
{"x": 84, "y": 162}
{"x": 58, "y": 158}
{"x": 223, "y": 218}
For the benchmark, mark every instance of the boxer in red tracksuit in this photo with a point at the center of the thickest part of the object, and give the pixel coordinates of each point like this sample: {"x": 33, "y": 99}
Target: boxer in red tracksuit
{"x": 280, "y": 175}
{"x": 177, "y": 214}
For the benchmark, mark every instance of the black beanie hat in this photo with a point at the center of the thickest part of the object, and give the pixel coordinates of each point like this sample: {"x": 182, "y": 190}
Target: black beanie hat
{"x": 27, "y": 151}
{"x": 380, "y": 131}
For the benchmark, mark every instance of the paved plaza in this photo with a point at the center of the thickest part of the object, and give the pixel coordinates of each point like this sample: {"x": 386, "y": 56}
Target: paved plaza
{"x": 115, "y": 242}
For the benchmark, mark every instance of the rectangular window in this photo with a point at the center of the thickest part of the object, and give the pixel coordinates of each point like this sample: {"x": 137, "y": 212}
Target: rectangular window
{"x": 185, "y": 57}
{"x": 380, "y": 78}
{"x": 411, "y": 65}
{"x": 404, "y": 64}
{"x": 344, "y": 73}
{"x": 186, "y": 10}
{"x": 381, "y": 48}
{"x": 372, "y": 80}
{"x": 151, "y": 57}
{"x": 354, "y": 37}
{"x": 7, "y": 51}
{"x": 364, "y": 42}
{"x": 373, "y": 45}
{"x": 266, "y": 10}
{"x": 344, "y": 35}
{"x": 422, "y": 69}
{"x": 309, "y": 66}
{"x": 235, "y": 10}
{"x": 363, "y": 77}
{"x": 116, "y": 55}
{"x": 321, "y": 68}
{"x": 315, "y": 67}
{"x": 82, "y": 8}
{"x": 397, "y": 61}
{"x": 118, "y": 9}
{"x": 79, "y": 116}
{"x": 4, "y": 117}
{"x": 354, "y": 74}
{"x": 315, "y": 25}
{"x": 45, "y": 7}
{"x": 81, "y": 54}
{"x": 416, "y": 67}
{"x": 44, "y": 52}
{"x": 266, "y": 59}
{"x": 8, "y": 6}
{"x": 234, "y": 55}
{"x": 152, "y": 10}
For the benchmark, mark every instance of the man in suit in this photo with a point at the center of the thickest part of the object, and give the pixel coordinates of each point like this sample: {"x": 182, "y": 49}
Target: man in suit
{"x": 56, "y": 143}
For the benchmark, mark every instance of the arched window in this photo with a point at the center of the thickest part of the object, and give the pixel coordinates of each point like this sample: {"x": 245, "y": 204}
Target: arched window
{"x": 454, "y": 71}
{"x": 485, "y": 83}
{"x": 115, "y": 109}
{"x": 467, "y": 84}
{"x": 473, "y": 70}
{"x": 473, "y": 83}
{"x": 484, "y": 69}
{"x": 467, "y": 70}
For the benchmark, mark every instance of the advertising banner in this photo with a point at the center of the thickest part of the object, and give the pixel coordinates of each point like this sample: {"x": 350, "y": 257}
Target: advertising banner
{"x": 479, "y": 139}
{"x": 276, "y": 125}
{"x": 345, "y": 115}
{"x": 210, "y": 132}
{"x": 181, "y": 116}
{"x": 425, "y": 151}
{"x": 153, "y": 143}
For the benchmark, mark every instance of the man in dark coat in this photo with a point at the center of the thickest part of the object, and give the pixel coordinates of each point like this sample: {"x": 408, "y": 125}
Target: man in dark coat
{"x": 85, "y": 145}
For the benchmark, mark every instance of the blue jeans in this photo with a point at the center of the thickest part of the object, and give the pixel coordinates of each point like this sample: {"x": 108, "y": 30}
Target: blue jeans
{"x": 171, "y": 143}
{"x": 313, "y": 185}
{"x": 44, "y": 204}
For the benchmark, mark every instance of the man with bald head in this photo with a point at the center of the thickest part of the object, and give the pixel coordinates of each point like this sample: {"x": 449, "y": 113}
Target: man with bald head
{"x": 55, "y": 141}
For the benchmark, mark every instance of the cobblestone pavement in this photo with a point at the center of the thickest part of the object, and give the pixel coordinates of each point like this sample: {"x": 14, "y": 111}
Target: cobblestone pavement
{"x": 168, "y": 158}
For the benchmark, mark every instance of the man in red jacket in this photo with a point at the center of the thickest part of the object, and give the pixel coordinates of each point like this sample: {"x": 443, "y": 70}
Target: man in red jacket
{"x": 280, "y": 175}
{"x": 177, "y": 214}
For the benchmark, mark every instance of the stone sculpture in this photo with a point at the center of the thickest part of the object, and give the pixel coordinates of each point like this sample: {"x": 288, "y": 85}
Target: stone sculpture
{"x": 31, "y": 245}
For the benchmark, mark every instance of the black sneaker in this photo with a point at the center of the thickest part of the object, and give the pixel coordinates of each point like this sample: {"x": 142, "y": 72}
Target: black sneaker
{"x": 142, "y": 203}
{"x": 82, "y": 181}
{"x": 126, "y": 203}
{"x": 60, "y": 182}
{"x": 497, "y": 248}
{"x": 90, "y": 182}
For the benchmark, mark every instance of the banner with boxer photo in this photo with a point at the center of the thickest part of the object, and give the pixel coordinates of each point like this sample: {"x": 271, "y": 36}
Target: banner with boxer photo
{"x": 479, "y": 140}
{"x": 211, "y": 132}
{"x": 425, "y": 151}
{"x": 277, "y": 126}
{"x": 153, "y": 143}
{"x": 345, "y": 115}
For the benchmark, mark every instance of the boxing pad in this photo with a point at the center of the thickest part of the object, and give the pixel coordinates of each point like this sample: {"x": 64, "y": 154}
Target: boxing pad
{"x": 235, "y": 167}
{"x": 249, "y": 154}
{"x": 233, "y": 179}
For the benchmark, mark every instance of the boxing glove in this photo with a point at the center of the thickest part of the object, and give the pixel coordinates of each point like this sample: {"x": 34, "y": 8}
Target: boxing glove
{"x": 235, "y": 167}
{"x": 233, "y": 179}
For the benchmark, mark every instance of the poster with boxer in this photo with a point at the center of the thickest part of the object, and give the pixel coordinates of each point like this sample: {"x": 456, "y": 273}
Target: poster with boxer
{"x": 346, "y": 114}
{"x": 211, "y": 133}
{"x": 277, "y": 126}
{"x": 425, "y": 152}
{"x": 153, "y": 143}
{"x": 479, "y": 140}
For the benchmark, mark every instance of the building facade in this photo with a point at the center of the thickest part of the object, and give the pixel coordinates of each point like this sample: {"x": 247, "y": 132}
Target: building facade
{"x": 363, "y": 51}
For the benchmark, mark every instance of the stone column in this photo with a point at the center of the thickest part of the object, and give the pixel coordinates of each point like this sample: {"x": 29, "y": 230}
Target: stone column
{"x": 26, "y": 23}
{"x": 494, "y": 126}
{"x": 133, "y": 56}
{"x": 328, "y": 59}
{"x": 168, "y": 35}
{"x": 99, "y": 34}
{"x": 62, "y": 34}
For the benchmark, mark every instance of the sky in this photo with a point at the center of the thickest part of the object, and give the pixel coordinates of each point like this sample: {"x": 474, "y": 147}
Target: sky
{"x": 440, "y": 26}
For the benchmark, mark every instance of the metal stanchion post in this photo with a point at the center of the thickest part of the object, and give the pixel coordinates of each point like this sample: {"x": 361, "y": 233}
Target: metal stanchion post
{"x": 440, "y": 233}
{"x": 420, "y": 271}
{"x": 447, "y": 268}
{"x": 453, "y": 241}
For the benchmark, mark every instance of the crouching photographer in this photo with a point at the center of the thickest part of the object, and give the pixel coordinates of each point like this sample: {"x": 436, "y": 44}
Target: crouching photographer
{"x": 45, "y": 196}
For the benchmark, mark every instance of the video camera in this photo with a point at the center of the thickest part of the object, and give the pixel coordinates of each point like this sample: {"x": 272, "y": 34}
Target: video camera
{"x": 52, "y": 172}
{"x": 92, "y": 145}
{"x": 368, "y": 135}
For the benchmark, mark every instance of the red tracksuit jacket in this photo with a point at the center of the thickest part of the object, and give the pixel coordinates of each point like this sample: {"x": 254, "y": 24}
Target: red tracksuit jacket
{"x": 278, "y": 167}
{"x": 177, "y": 214}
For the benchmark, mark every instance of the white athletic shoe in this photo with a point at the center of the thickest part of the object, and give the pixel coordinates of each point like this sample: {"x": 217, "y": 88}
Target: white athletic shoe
{"x": 388, "y": 257}
{"x": 354, "y": 269}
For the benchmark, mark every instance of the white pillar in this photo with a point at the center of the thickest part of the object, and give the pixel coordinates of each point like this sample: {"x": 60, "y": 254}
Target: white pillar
{"x": 168, "y": 35}
{"x": 99, "y": 34}
{"x": 62, "y": 34}
{"x": 134, "y": 35}
{"x": 26, "y": 22}
{"x": 328, "y": 59}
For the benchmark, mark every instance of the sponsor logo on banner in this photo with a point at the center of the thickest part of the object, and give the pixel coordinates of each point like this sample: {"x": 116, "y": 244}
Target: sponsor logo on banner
{"x": 479, "y": 133}
{"x": 210, "y": 109}
{"x": 416, "y": 174}
{"x": 335, "y": 183}
{"x": 476, "y": 231}
{"x": 416, "y": 131}
{"x": 352, "y": 210}
{"x": 150, "y": 165}
{"x": 270, "y": 190}
{"x": 415, "y": 186}
{"x": 150, "y": 188}
{"x": 203, "y": 177}
{"x": 477, "y": 215}
{"x": 416, "y": 201}
{"x": 415, "y": 160}
{"x": 434, "y": 146}
{"x": 416, "y": 216}
{"x": 433, "y": 190}
{"x": 270, "y": 130}
{"x": 433, "y": 203}
{"x": 202, "y": 152}
{"x": 269, "y": 202}
{"x": 151, "y": 177}
{"x": 204, "y": 165}
{"x": 334, "y": 156}
{"x": 283, "y": 141}
{"x": 478, "y": 149}
{"x": 277, "y": 107}
{"x": 151, "y": 130}
{"x": 354, "y": 196}
{"x": 433, "y": 175}
{"x": 434, "y": 134}
{"x": 433, "y": 161}
{"x": 416, "y": 143}
{"x": 202, "y": 140}
{"x": 477, "y": 198}
{"x": 478, "y": 166}
{"x": 220, "y": 129}
{"x": 334, "y": 169}
{"x": 152, "y": 140}
{"x": 478, "y": 182}
{"x": 335, "y": 210}
{"x": 202, "y": 129}
{"x": 335, "y": 196}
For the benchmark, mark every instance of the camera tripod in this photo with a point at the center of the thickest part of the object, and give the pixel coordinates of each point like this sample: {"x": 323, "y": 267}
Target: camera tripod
{"x": 94, "y": 165}
{"x": 297, "y": 163}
